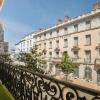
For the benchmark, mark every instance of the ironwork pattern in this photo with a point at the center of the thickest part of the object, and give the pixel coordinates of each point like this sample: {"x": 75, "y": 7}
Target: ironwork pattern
{"x": 26, "y": 85}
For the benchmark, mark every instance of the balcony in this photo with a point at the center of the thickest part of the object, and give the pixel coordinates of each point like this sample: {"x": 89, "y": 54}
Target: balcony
{"x": 27, "y": 85}
{"x": 75, "y": 48}
{"x": 76, "y": 60}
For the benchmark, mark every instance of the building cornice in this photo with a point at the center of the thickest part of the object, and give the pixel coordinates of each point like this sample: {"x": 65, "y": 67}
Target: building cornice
{"x": 71, "y": 21}
{"x": 69, "y": 34}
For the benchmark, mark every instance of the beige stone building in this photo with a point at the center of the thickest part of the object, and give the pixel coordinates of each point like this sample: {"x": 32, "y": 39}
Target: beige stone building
{"x": 79, "y": 37}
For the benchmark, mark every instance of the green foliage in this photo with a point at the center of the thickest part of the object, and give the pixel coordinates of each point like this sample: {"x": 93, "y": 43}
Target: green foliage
{"x": 32, "y": 60}
{"x": 5, "y": 58}
{"x": 67, "y": 65}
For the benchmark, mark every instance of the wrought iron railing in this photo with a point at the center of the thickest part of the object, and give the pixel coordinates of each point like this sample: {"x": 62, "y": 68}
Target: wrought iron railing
{"x": 26, "y": 85}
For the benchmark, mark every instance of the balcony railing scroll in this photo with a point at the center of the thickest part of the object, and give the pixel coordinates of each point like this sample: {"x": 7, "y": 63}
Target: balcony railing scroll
{"x": 27, "y": 85}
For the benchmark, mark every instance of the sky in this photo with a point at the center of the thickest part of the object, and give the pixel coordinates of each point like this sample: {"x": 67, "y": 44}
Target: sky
{"x": 21, "y": 17}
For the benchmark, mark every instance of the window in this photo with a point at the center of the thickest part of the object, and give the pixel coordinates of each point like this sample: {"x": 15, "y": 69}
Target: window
{"x": 88, "y": 39}
{"x": 44, "y": 54}
{"x": 50, "y": 54}
{"x": 65, "y": 30}
{"x": 76, "y": 71}
{"x": 57, "y": 54}
{"x": 87, "y": 56}
{"x": 98, "y": 76}
{"x": 65, "y": 43}
{"x": 44, "y": 35}
{"x": 44, "y": 45}
{"x": 57, "y": 32}
{"x": 98, "y": 53}
{"x": 88, "y": 73}
{"x": 75, "y": 41}
{"x": 76, "y": 28}
{"x": 50, "y": 34}
{"x": 57, "y": 43}
{"x": 75, "y": 54}
{"x": 88, "y": 24}
{"x": 50, "y": 45}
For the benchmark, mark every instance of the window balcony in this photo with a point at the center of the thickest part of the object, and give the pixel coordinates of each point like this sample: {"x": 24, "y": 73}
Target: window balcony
{"x": 75, "y": 48}
{"x": 24, "y": 84}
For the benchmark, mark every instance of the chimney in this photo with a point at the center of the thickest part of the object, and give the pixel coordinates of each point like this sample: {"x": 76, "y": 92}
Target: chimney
{"x": 59, "y": 21}
{"x": 96, "y": 6}
{"x": 66, "y": 18}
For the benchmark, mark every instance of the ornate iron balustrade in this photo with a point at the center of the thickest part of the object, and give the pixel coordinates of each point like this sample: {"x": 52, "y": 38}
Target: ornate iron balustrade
{"x": 26, "y": 85}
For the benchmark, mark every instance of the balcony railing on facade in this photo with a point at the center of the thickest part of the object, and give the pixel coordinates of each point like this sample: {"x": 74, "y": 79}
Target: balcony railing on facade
{"x": 75, "y": 48}
{"x": 27, "y": 85}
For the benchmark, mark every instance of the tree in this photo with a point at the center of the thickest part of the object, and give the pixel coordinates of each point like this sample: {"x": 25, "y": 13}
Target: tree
{"x": 32, "y": 60}
{"x": 67, "y": 65}
{"x": 5, "y": 58}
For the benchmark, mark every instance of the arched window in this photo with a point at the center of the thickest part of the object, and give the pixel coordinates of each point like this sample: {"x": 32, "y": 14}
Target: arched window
{"x": 88, "y": 73}
{"x": 98, "y": 76}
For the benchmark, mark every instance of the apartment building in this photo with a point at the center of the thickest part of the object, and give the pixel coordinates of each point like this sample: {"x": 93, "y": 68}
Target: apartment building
{"x": 79, "y": 37}
{"x": 25, "y": 44}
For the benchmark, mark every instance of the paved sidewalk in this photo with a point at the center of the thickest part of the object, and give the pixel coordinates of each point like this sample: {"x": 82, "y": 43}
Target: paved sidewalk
{"x": 81, "y": 82}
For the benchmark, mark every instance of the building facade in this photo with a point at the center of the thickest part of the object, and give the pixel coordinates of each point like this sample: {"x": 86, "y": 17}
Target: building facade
{"x": 25, "y": 44}
{"x": 79, "y": 37}
{"x": 3, "y": 44}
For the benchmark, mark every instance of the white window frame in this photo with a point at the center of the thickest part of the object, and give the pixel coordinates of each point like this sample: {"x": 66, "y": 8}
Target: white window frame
{"x": 88, "y": 39}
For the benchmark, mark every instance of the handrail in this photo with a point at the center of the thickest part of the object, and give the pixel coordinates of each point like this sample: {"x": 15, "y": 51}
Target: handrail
{"x": 28, "y": 85}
